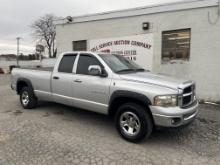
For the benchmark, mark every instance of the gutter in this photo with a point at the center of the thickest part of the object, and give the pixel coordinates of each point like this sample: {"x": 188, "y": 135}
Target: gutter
{"x": 146, "y": 10}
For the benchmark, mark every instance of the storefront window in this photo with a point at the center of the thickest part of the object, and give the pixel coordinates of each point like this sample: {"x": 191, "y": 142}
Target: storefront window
{"x": 176, "y": 45}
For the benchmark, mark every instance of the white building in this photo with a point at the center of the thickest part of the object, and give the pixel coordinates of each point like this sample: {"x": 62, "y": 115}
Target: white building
{"x": 180, "y": 39}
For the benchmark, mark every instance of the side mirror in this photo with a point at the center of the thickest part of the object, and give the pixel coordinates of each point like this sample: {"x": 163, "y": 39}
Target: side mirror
{"x": 96, "y": 70}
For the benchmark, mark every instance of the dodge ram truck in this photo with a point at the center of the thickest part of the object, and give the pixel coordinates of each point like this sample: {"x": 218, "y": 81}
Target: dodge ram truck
{"x": 113, "y": 85}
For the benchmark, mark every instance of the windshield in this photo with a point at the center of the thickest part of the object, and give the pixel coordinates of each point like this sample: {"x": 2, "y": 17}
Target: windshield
{"x": 120, "y": 64}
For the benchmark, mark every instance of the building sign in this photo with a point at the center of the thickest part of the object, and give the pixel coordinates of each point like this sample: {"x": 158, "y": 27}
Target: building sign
{"x": 138, "y": 48}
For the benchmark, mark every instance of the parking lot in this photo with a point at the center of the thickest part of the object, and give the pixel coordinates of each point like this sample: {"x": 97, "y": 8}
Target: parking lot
{"x": 57, "y": 134}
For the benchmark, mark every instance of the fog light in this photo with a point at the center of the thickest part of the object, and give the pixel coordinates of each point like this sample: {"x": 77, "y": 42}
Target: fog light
{"x": 175, "y": 120}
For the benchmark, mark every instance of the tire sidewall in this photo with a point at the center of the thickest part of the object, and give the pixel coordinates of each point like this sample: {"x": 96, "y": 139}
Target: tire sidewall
{"x": 32, "y": 99}
{"x": 144, "y": 118}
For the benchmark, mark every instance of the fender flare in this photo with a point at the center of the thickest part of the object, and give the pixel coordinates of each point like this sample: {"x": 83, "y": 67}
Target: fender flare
{"x": 127, "y": 94}
{"x": 25, "y": 80}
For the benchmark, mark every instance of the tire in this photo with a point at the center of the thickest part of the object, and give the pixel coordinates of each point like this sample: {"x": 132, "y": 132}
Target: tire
{"x": 27, "y": 98}
{"x": 137, "y": 118}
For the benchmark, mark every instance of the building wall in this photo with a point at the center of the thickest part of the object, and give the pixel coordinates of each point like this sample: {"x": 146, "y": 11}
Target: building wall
{"x": 204, "y": 64}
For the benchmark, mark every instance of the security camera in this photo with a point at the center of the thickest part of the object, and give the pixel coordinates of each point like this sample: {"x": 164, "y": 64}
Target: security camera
{"x": 69, "y": 19}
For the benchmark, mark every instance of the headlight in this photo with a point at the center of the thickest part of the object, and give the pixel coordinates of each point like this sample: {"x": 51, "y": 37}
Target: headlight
{"x": 166, "y": 101}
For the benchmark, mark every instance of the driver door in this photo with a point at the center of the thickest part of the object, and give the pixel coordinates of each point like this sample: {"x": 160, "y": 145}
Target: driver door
{"x": 90, "y": 92}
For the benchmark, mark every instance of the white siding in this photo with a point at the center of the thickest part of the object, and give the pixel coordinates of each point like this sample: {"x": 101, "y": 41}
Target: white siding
{"x": 204, "y": 64}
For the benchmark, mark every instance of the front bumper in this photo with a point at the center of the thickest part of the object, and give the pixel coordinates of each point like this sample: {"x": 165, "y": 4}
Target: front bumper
{"x": 174, "y": 116}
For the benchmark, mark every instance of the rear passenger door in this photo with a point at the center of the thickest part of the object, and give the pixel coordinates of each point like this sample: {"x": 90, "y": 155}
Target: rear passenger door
{"x": 62, "y": 80}
{"x": 90, "y": 92}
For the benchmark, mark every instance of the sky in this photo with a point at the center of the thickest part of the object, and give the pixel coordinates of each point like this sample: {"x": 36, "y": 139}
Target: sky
{"x": 16, "y": 16}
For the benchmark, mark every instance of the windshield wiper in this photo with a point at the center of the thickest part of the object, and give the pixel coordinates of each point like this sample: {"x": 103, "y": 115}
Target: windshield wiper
{"x": 129, "y": 70}
{"x": 140, "y": 69}
{"x": 125, "y": 70}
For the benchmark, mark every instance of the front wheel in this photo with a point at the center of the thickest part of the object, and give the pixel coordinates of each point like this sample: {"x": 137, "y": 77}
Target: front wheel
{"x": 27, "y": 98}
{"x": 133, "y": 122}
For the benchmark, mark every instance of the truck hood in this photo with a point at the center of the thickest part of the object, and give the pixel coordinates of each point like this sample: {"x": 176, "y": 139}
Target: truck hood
{"x": 155, "y": 79}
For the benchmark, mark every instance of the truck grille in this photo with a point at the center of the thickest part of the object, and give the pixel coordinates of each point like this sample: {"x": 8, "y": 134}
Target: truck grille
{"x": 188, "y": 96}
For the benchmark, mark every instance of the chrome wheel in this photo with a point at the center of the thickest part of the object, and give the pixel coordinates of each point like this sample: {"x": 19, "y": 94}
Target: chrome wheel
{"x": 25, "y": 98}
{"x": 130, "y": 123}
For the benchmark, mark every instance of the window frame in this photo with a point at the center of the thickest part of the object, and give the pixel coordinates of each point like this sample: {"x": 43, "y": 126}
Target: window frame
{"x": 74, "y": 63}
{"x": 162, "y": 46}
{"x": 91, "y": 55}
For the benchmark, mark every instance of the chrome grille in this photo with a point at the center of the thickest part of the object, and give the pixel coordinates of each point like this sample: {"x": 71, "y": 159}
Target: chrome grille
{"x": 188, "y": 96}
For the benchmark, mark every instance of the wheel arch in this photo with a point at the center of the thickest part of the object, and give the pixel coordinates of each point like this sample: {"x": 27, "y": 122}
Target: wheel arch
{"x": 23, "y": 82}
{"x": 120, "y": 97}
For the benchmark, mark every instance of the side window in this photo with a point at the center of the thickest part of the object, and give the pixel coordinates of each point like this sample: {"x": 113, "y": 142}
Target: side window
{"x": 176, "y": 45}
{"x": 84, "y": 62}
{"x": 66, "y": 64}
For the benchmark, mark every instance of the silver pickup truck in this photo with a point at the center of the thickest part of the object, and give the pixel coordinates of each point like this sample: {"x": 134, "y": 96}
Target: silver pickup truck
{"x": 110, "y": 84}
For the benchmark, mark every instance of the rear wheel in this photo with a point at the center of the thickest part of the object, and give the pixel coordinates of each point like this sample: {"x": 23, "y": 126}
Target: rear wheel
{"x": 27, "y": 98}
{"x": 133, "y": 122}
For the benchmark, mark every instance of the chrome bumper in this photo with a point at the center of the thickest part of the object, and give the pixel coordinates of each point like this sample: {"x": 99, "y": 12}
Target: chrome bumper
{"x": 175, "y": 116}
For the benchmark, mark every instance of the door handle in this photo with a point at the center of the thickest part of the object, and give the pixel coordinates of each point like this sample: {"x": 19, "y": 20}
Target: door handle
{"x": 56, "y": 78}
{"x": 77, "y": 81}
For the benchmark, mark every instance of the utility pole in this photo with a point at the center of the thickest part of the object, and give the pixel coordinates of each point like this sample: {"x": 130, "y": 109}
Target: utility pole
{"x": 18, "y": 39}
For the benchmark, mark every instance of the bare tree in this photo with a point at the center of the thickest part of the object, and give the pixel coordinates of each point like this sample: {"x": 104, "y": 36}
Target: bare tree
{"x": 45, "y": 32}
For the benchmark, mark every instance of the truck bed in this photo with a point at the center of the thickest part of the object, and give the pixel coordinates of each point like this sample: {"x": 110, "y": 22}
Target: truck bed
{"x": 50, "y": 69}
{"x": 40, "y": 78}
